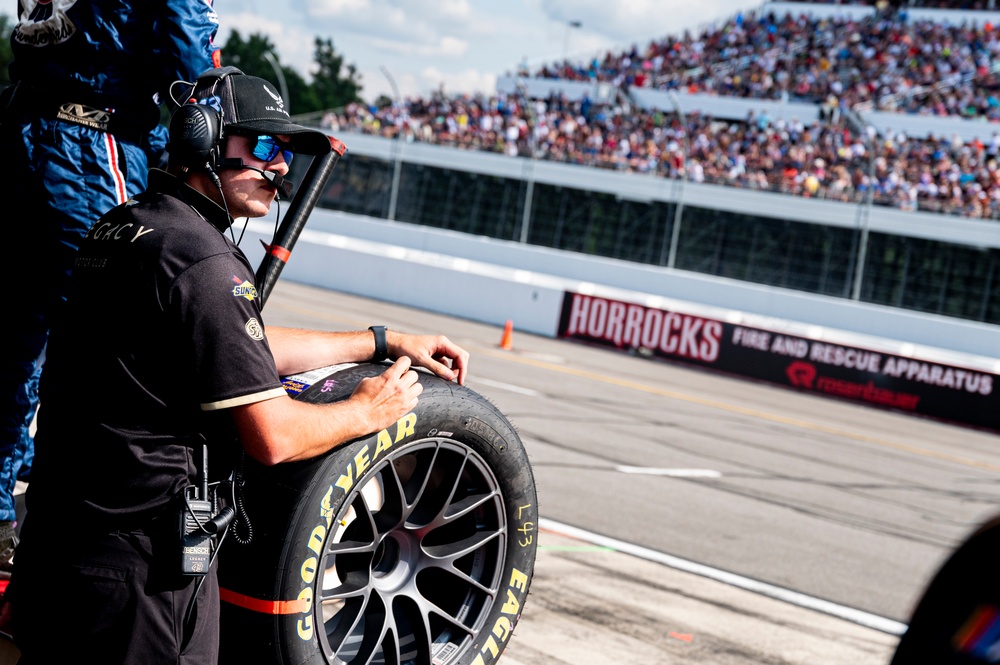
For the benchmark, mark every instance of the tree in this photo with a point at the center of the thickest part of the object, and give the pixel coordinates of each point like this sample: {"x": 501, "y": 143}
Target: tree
{"x": 328, "y": 89}
{"x": 6, "y": 55}
{"x": 332, "y": 89}
{"x": 248, "y": 55}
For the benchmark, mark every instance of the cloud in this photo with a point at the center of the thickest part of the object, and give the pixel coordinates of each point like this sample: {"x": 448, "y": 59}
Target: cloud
{"x": 463, "y": 44}
{"x": 446, "y": 47}
{"x": 456, "y": 83}
{"x": 294, "y": 43}
{"x": 415, "y": 20}
{"x": 625, "y": 21}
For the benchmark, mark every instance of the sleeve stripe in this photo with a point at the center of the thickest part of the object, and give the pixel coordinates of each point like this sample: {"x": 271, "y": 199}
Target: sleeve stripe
{"x": 244, "y": 399}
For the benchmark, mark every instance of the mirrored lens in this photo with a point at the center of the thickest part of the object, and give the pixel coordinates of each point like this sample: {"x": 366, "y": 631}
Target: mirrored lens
{"x": 268, "y": 147}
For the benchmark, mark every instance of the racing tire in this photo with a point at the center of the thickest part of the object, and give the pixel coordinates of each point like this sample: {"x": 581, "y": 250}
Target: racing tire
{"x": 412, "y": 546}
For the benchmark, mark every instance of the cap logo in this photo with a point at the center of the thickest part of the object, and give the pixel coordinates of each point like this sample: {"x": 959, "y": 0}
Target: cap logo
{"x": 277, "y": 100}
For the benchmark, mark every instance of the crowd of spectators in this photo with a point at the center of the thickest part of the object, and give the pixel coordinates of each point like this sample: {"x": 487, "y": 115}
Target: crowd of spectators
{"x": 825, "y": 159}
{"x": 820, "y": 160}
{"x": 884, "y": 61}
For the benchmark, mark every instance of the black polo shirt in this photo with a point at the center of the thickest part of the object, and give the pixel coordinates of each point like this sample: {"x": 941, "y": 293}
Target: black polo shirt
{"x": 161, "y": 333}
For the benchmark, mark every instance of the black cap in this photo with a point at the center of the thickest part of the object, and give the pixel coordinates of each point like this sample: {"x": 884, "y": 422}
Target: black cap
{"x": 252, "y": 104}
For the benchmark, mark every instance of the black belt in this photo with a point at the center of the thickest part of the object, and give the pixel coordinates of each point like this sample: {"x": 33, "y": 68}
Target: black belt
{"x": 20, "y": 102}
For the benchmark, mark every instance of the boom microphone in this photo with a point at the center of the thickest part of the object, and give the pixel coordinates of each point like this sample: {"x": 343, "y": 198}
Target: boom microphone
{"x": 282, "y": 185}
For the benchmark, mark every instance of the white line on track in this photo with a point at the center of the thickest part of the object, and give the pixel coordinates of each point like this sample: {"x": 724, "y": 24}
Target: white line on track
{"x": 507, "y": 386}
{"x": 674, "y": 473}
{"x": 847, "y": 613}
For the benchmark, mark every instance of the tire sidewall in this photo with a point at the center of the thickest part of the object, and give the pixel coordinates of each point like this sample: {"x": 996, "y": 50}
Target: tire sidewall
{"x": 445, "y": 411}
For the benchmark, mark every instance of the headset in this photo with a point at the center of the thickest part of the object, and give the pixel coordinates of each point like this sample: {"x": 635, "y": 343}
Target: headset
{"x": 196, "y": 128}
{"x": 196, "y": 132}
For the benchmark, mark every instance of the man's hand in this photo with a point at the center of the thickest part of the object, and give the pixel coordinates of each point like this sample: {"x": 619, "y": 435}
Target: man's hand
{"x": 435, "y": 352}
{"x": 390, "y": 396}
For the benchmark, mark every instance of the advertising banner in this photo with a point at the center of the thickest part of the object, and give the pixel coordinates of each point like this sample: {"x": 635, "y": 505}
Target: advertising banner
{"x": 903, "y": 383}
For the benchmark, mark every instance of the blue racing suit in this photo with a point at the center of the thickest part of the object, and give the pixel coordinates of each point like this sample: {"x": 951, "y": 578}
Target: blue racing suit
{"x": 79, "y": 129}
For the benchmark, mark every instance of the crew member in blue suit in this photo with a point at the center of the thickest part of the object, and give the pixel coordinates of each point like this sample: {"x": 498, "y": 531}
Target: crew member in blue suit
{"x": 80, "y": 127}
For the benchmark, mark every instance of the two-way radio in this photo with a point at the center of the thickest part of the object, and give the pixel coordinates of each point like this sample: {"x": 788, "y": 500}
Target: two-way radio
{"x": 200, "y": 521}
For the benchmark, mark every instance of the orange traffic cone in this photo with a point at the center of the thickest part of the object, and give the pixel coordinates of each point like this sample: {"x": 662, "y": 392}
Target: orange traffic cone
{"x": 507, "y": 341}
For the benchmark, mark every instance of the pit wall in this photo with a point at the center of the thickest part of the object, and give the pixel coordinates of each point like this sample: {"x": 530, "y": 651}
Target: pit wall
{"x": 922, "y": 364}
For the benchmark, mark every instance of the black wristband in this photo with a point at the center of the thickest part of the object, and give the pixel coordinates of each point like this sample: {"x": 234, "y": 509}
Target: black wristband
{"x": 381, "y": 346}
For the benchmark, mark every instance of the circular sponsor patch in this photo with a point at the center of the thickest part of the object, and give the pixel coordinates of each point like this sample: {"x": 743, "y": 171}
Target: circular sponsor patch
{"x": 254, "y": 329}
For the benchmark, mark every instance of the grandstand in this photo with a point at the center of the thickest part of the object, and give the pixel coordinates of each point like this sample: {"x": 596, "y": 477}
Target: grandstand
{"x": 880, "y": 118}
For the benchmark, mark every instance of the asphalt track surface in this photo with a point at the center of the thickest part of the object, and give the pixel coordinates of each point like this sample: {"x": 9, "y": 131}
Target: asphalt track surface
{"x": 688, "y": 517}
{"x": 698, "y": 518}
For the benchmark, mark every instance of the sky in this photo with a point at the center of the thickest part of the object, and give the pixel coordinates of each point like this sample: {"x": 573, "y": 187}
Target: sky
{"x": 463, "y": 45}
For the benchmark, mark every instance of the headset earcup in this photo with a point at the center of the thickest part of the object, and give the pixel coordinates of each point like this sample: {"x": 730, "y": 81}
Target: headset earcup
{"x": 195, "y": 134}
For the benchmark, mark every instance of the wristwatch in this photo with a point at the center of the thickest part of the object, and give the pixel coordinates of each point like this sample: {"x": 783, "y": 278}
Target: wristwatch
{"x": 381, "y": 346}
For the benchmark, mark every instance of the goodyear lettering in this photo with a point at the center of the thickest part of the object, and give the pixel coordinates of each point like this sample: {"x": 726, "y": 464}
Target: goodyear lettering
{"x": 326, "y": 511}
{"x": 308, "y": 571}
{"x": 346, "y": 480}
{"x": 316, "y": 539}
{"x": 518, "y": 580}
{"x": 361, "y": 461}
{"x": 304, "y": 626}
{"x": 628, "y": 325}
{"x": 490, "y": 646}
{"x": 405, "y": 426}
{"x": 383, "y": 443}
{"x": 504, "y": 626}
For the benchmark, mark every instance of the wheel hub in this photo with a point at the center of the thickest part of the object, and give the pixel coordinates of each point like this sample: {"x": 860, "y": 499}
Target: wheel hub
{"x": 393, "y": 563}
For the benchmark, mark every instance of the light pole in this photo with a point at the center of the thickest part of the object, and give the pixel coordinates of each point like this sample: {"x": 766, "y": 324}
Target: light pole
{"x": 569, "y": 28}
{"x": 675, "y": 232}
{"x": 281, "y": 80}
{"x": 530, "y": 184}
{"x": 855, "y": 119}
{"x": 396, "y": 147}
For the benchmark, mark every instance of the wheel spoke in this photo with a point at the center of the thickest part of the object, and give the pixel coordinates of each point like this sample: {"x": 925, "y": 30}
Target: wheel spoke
{"x": 363, "y": 639}
{"x": 463, "y": 507}
{"x": 352, "y": 585}
{"x": 417, "y": 491}
{"x": 415, "y": 560}
{"x": 457, "y": 549}
{"x": 469, "y": 580}
{"x": 350, "y": 547}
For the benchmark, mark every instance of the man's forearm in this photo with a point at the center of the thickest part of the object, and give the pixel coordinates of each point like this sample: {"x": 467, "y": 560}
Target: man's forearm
{"x": 297, "y": 350}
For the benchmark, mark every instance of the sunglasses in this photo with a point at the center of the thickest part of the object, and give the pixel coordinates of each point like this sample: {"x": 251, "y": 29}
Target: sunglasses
{"x": 268, "y": 147}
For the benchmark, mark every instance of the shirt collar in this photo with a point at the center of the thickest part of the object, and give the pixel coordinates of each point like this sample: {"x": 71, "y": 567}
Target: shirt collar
{"x": 167, "y": 183}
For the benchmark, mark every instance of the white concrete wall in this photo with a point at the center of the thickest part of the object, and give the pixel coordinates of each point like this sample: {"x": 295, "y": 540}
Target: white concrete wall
{"x": 492, "y": 281}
